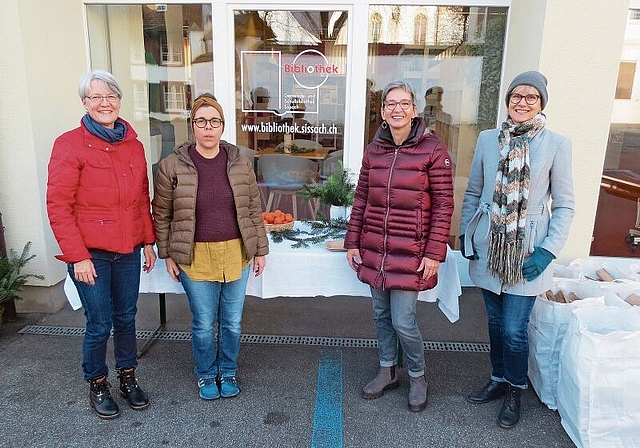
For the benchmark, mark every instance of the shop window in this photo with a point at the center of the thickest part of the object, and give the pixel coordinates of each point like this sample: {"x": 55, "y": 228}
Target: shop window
{"x": 161, "y": 56}
{"x": 452, "y": 55}
{"x": 617, "y": 225}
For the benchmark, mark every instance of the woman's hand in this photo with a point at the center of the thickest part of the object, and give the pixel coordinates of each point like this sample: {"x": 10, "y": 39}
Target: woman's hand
{"x": 353, "y": 258}
{"x": 149, "y": 258}
{"x": 172, "y": 269}
{"x": 259, "y": 262}
{"x": 428, "y": 267}
{"x": 85, "y": 272}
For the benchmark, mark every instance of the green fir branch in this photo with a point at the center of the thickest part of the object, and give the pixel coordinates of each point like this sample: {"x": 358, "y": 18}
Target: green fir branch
{"x": 319, "y": 231}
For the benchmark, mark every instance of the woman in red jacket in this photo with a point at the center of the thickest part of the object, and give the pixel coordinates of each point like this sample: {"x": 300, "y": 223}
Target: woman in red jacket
{"x": 398, "y": 233}
{"x": 98, "y": 207}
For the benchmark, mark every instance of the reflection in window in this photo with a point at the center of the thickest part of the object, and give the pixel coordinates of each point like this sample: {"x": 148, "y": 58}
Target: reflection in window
{"x": 452, "y": 55}
{"x": 375, "y": 30}
{"x": 617, "y": 228}
{"x": 162, "y": 57}
{"x": 420, "y": 31}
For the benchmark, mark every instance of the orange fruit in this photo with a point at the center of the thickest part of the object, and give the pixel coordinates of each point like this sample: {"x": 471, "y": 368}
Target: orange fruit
{"x": 288, "y": 217}
{"x": 278, "y": 220}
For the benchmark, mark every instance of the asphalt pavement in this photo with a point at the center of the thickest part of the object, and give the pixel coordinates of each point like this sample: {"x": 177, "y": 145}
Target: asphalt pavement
{"x": 302, "y": 364}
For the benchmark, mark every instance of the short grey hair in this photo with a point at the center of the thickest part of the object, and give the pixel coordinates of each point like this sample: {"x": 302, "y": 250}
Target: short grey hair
{"x": 84, "y": 86}
{"x": 399, "y": 83}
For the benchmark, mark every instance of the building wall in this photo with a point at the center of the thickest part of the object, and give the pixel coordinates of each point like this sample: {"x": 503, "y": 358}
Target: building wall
{"x": 576, "y": 43}
{"x": 43, "y": 55}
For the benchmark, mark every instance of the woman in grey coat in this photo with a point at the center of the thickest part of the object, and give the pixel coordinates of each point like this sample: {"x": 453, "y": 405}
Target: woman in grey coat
{"x": 516, "y": 214}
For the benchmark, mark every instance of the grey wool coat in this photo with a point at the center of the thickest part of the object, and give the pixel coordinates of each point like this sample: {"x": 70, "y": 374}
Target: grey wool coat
{"x": 550, "y": 207}
{"x": 174, "y": 204}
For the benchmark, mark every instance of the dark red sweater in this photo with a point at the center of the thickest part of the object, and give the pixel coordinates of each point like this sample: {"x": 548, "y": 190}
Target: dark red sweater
{"x": 215, "y": 208}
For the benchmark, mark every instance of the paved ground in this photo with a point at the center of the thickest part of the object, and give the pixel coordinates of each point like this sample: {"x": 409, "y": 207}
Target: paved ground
{"x": 293, "y": 395}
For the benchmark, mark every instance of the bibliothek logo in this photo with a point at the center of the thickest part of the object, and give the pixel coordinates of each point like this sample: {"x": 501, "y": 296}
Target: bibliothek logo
{"x": 311, "y": 69}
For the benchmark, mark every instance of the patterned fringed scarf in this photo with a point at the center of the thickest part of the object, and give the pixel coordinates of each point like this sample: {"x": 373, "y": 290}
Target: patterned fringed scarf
{"x": 511, "y": 193}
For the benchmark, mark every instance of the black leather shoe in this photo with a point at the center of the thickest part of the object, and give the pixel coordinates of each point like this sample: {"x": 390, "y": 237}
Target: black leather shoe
{"x": 510, "y": 412}
{"x": 491, "y": 391}
{"x": 100, "y": 399}
{"x": 130, "y": 390}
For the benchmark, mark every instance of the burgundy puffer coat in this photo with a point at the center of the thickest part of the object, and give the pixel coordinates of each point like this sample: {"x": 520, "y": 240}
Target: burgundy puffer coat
{"x": 402, "y": 209}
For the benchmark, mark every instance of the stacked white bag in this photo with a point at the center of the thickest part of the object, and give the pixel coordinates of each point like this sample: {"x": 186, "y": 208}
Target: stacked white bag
{"x": 598, "y": 393}
{"x": 598, "y": 363}
{"x": 547, "y": 327}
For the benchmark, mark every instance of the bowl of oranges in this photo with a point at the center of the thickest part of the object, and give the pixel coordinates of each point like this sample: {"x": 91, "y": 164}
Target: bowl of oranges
{"x": 277, "y": 220}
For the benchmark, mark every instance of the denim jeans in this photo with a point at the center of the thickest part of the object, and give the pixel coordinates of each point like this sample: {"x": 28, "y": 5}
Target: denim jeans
{"x": 508, "y": 337}
{"x": 394, "y": 316}
{"x": 212, "y": 302}
{"x": 111, "y": 302}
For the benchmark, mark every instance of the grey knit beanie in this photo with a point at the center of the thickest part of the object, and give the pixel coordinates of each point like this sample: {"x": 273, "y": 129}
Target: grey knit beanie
{"x": 534, "y": 79}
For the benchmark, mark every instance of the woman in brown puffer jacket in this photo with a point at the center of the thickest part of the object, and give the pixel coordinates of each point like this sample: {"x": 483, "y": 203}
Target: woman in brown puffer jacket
{"x": 398, "y": 233}
{"x": 209, "y": 227}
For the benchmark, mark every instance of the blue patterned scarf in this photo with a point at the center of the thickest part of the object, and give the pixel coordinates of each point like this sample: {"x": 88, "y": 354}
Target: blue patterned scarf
{"x": 114, "y": 135}
{"x": 510, "y": 197}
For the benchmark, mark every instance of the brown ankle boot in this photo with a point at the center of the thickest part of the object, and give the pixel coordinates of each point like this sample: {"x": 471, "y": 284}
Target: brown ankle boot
{"x": 417, "y": 393}
{"x": 386, "y": 379}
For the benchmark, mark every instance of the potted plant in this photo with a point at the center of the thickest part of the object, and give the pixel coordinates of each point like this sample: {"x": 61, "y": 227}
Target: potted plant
{"x": 337, "y": 191}
{"x": 12, "y": 280}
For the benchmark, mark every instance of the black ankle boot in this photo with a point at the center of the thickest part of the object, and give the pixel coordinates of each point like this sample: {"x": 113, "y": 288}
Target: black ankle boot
{"x": 510, "y": 412}
{"x": 491, "y": 391}
{"x": 130, "y": 390}
{"x": 100, "y": 398}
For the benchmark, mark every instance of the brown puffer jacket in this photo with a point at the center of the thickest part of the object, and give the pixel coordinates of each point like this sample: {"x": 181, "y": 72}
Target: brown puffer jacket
{"x": 402, "y": 209}
{"x": 174, "y": 204}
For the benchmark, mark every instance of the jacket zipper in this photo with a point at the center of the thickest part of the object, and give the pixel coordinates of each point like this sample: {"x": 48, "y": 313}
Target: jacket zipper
{"x": 386, "y": 216}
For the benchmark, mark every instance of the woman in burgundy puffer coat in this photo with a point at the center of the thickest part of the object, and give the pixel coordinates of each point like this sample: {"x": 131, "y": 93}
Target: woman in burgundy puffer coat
{"x": 398, "y": 233}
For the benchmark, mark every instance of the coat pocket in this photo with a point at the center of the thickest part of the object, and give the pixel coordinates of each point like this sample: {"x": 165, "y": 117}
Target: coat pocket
{"x": 534, "y": 215}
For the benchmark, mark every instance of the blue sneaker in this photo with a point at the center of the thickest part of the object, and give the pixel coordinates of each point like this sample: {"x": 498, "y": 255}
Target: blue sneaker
{"x": 208, "y": 389}
{"x": 229, "y": 387}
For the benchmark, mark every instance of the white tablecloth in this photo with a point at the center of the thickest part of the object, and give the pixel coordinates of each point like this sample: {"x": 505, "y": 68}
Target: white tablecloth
{"x": 308, "y": 272}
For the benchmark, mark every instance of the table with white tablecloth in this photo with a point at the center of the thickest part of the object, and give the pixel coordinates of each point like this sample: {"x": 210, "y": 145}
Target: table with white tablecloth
{"x": 312, "y": 271}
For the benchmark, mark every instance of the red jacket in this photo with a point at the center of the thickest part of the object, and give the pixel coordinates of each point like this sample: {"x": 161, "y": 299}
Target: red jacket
{"x": 402, "y": 209}
{"x": 98, "y": 194}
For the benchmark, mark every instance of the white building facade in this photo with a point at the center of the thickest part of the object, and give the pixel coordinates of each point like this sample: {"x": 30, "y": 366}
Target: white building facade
{"x": 315, "y": 70}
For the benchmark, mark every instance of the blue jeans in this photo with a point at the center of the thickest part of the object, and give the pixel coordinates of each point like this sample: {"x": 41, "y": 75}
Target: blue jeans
{"x": 212, "y": 302}
{"x": 394, "y": 316}
{"x": 508, "y": 321}
{"x": 111, "y": 302}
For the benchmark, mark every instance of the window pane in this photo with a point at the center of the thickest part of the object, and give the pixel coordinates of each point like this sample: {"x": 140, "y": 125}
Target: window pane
{"x": 452, "y": 55}
{"x": 162, "y": 57}
{"x": 617, "y": 225}
{"x": 290, "y": 77}
{"x": 291, "y": 71}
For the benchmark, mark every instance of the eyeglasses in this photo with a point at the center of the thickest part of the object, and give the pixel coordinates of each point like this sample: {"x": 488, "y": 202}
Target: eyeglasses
{"x": 202, "y": 122}
{"x": 391, "y": 105}
{"x": 97, "y": 99}
{"x": 530, "y": 99}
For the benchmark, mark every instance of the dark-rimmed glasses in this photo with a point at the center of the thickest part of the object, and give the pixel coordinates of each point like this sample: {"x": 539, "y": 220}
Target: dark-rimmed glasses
{"x": 97, "y": 99}
{"x": 530, "y": 99}
{"x": 391, "y": 105}
{"x": 202, "y": 122}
